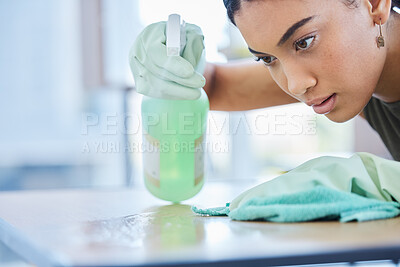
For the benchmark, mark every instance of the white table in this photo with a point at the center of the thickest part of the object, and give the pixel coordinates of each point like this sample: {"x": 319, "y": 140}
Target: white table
{"x": 125, "y": 227}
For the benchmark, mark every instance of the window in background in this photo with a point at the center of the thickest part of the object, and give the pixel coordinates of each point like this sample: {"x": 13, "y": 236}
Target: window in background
{"x": 40, "y": 95}
{"x": 45, "y": 97}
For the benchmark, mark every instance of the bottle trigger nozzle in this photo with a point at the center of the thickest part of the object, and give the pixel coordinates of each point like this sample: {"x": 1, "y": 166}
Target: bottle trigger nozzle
{"x": 176, "y": 35}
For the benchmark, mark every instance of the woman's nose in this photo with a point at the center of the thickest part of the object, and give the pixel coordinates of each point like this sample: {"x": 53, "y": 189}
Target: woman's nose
{"x": 299, "y": 81}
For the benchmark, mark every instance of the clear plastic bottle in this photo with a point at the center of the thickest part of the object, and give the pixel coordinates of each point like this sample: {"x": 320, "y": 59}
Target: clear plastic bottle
{"x": 173, "y": 137}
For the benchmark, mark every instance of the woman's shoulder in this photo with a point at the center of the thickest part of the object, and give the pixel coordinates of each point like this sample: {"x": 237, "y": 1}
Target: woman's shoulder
{"x": 375, "y": 103}
{"x": 384, "y": 117}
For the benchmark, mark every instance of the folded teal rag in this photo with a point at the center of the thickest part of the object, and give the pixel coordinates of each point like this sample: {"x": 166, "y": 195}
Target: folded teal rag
{"x": 361, "y": 188}
{"x": 319, "y": 203}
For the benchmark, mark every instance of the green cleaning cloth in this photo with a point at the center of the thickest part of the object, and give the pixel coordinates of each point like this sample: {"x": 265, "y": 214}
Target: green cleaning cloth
{"x": 363, "y": 187}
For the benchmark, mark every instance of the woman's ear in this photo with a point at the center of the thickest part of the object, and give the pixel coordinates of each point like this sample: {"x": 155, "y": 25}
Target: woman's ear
{"x": 379, "y": 10}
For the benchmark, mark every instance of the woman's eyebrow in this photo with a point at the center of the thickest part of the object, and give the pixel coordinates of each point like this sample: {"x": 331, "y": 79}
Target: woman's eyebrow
{"x": 255, "y": 52}
{"x": 293, "y": 29}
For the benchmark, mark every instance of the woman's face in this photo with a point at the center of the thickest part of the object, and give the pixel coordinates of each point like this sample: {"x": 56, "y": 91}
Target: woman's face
{"x": 321, "y": 52}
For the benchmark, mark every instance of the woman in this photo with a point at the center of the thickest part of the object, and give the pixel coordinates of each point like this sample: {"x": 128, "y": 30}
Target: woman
{"x": 340, "y": 57}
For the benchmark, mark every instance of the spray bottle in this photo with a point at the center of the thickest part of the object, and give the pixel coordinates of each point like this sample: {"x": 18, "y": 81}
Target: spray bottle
{"x": 174, "y": 135}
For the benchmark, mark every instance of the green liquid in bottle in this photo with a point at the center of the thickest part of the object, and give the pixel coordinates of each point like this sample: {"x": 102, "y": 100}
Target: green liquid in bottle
{"x": 173, "y": 137}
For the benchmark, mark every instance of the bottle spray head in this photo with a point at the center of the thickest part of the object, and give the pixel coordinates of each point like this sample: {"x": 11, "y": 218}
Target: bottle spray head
{"x": 176, "y": 35}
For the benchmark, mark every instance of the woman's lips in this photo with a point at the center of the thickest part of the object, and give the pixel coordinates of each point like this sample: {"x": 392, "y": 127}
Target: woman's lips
{"x": 326, "y": 106}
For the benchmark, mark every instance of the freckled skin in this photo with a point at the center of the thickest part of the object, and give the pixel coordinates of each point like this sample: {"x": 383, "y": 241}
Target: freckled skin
{"x": 343, "y": 58}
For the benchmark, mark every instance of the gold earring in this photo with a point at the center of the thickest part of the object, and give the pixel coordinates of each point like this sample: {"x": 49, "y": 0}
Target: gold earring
{"x": 380, "y": 41}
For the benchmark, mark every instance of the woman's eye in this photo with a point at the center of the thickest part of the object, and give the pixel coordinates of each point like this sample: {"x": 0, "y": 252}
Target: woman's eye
{"x": 268, "y": 60}
{"x": 304, "y": 44}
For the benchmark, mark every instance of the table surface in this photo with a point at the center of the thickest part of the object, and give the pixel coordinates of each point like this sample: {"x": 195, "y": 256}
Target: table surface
{"x": 129, "y": 227}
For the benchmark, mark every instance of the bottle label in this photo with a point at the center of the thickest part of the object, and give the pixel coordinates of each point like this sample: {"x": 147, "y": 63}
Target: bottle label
{"x": 199, "y": 160}
{"x": 151, "y": 159}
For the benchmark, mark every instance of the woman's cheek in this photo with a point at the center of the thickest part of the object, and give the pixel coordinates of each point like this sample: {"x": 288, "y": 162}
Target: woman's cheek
{"x": 279, "y": 77}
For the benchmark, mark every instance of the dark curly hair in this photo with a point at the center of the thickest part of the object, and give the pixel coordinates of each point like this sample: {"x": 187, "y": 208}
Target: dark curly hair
{"x": 232, "y": 6}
